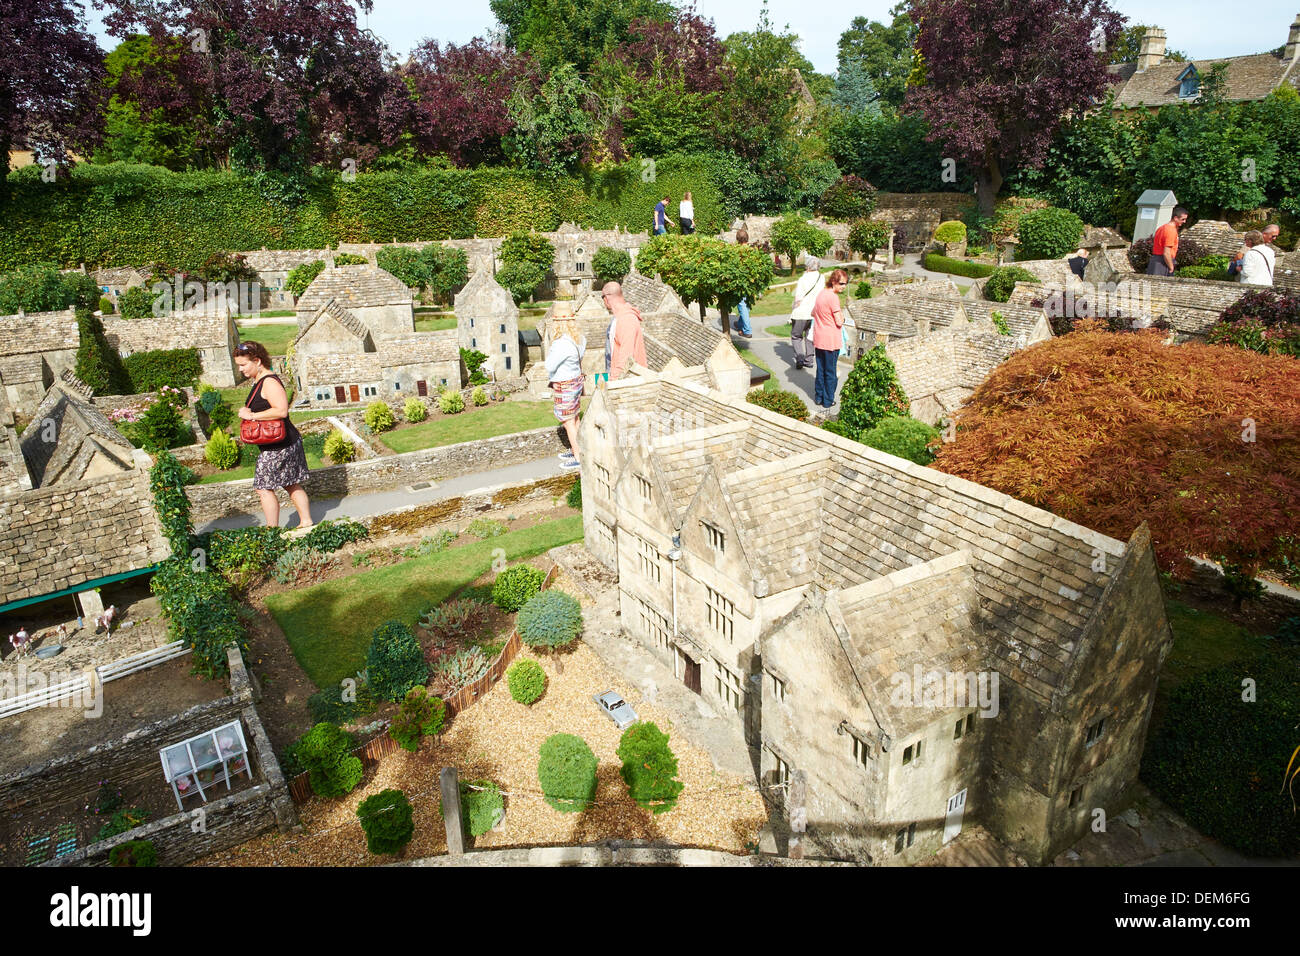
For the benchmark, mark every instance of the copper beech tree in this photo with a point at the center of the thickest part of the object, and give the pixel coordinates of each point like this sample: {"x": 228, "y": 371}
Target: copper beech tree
{"x": 1112, "y": 429}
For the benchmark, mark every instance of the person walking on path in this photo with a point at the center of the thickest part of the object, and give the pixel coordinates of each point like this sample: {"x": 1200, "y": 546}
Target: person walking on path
{"x": 1164, "y": 245}
{"x": 564, "y": 373}
{"x": 284, "y": 463}
{"x": 742, "y": 307}
{"x": 625, "y": 343}
{"x": 662, "y": 222}
{"x": 828, "y": 321}
{"x": 1258, "y": 261}
{"x": 805, "y": 297}
{"x": 686, "y": 214}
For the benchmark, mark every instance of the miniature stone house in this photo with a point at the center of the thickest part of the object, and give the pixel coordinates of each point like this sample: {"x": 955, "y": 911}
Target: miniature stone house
{"x": 273, "y": 267}
{"x": 796, "y": 579}
{"x": 70, "y": 440}
{"x": 487, "y": 320}
{"x": 379, "y": 300}
{"x": 35, "y": 349}
{"x": 211, "y": 332}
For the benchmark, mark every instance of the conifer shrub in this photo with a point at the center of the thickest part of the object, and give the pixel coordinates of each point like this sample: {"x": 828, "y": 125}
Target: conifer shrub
{"x": 780, "y": 401}
{"x": 415, "y": 410}
{"x": 419, "y": 716}
{"x": 394, "y": 661}
{"x": 388, "y": 821}
{"x": 379, "y": 417}
{"x": 514, "y": 586}
{"x": 566, "y": 769}
{"x": 339, "y": 448}
{"x": 221, "y": 451}
{"x": 549, "y": 619}
{"x": 451, "y": 402}
{"x": 482, "y": 805}
{"x": 479, "y": 396}
{"x": 649, "y": 767}
{"x": 870, "y": 394}
{"x": 325, "y": 752}
{"x": 527, "y": 681}
{"x": 951, "y": 231}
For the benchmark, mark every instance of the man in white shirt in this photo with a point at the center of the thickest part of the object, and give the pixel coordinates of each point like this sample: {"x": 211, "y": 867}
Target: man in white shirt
{"x": 1258, "y": 262}
{"x": 805, "y": 297}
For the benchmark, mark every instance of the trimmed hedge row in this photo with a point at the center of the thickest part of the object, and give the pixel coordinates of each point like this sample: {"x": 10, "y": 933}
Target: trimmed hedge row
{"x": 150, "y": 371}
{"x": 958, "y": 267}
{"x": 121, "y": 213}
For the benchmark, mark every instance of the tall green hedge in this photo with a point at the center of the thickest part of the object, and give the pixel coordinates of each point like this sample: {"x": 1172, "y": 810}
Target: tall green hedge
{"x": 122, "y": 214}
{"x": 150, "y": 371}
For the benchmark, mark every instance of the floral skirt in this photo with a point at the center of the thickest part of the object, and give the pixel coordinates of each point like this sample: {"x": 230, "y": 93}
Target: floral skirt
{"x": 281, "y": 467}
{"x": 568, "y": 399}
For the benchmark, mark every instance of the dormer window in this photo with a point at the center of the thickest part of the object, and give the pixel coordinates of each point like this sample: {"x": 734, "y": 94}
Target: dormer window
{"x": 1189, "y": 84}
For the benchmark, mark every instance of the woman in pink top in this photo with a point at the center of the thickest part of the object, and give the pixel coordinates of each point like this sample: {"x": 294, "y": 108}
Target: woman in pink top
{"x": 828, "y": 323}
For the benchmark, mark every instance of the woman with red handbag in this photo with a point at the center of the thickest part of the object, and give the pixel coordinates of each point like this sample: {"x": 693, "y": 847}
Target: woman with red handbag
{"x": 282, "y": 463}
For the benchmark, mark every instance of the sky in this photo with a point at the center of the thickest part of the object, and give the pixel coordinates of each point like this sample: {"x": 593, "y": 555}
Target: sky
{"x": 1200, "y": 28}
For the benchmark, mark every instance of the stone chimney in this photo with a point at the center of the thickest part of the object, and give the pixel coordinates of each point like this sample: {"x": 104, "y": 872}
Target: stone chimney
{"x": 1152, "y": 51}
{"x": 1292, "y": 42}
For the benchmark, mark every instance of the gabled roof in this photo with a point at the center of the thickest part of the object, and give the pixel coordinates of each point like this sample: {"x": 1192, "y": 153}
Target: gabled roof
{"x": 885, "y": 314}
{"x": 39, "y": 332}
{"x": 344, "y": 317}
{"x": 355, "y": 287}
{"x": 80, "y": 430}
{"x": 1250, "y": 77}
{"x": 418, "y": 348}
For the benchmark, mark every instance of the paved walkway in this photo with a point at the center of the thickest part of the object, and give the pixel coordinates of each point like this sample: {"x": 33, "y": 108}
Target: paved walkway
{"x": 381, "y": 502}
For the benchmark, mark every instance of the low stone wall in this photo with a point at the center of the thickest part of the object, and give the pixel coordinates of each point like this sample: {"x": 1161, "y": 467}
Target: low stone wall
{"x": 387, "y": 473}
{"x": 468, "y": 506}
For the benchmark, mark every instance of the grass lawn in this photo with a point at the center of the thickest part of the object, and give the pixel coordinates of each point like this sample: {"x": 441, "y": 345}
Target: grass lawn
{"x": 277, "y": 338}
{"x": 780, "y": 331}
{"x": 499, "y": 418}
{"x": 329, "y": 625}
{"x": 308, "y": 416}
{"x": 311, "y": 444}
{"x": 277, "y": 314}
{"x": 435, "y": 325}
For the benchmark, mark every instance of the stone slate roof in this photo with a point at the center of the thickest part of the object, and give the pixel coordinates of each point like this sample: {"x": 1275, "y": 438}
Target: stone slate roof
{"x": 118, "y": 276}
{"x": 672, "y": 334}
{"x": 886, "y": 314}
{"x": 880, "y": 514}
{"x": 1219, "y": 238}
{"x": 39, "y": 332}
{"x": 341, "y": 368}
{"x": 779, "y": 520}
{"x": 13, "y": 467}
{"x": 355, "y": 287}
{"x": 81, "y": 430}
{"x": 182, "y": 330}
{"x": 418, "y": 347}
{"x": 1102, "y": 237}
{"x": 648, "y": 295}
{"x": 335, "y": 310}
{"x": 942, "y": 309}
{"x": 1191, "y": 306}
{"x": 1250, "y": 77}
{"x": 482, "y": 295}
{"x": 21, "y": 369}
{"x": 1020, "y": 319}
{"x": 67, "y": 535}
{"x": 282, "y": 260}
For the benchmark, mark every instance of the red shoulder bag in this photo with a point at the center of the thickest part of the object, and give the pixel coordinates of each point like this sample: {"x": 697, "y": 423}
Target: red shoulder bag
{"x": 267, "y": 432}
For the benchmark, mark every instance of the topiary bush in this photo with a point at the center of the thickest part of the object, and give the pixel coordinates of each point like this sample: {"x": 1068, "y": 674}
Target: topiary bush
{"x": 649, "y": 767}
{"x": 851, "y": 197}
{"x": 387, "y": 820}
{"x": 159, "y": 428}
{"x": 479, "y": 397}
{"x": 521, "y": 280}
{"x": 1002, "y": 282}
{"x": 339, "y": 448}
{"x": 904, "y": 437}
{"x": 871, "y": 394}
{"x": 862, "y": 290}
{"x": 482, "y": 806}
{"x": 566, "y": 769}
{"x": 514, "y": 586}
{"x": 527, "y": 681}
{"x": 325, "y": 752}
{"x": 1216, "y": 759}
{"x": 394, "y": 661}
{"x": 419, "y": 716}
{"x": 951, "y": 231}
{"x": 415, "y": 410}
{"x": 610, "y": 265}
{"x": 1048, "y": 233}
{"x": 451, "y": 403}
{"x": 781, "y": 402}
{"x": 866, "y": 237}
{"x": 221, "y": 451}
{"x": 957, "y": 267}
{"x": 379, "y": 417}
{"x": 549, "y": 619}
{"x": 134, "y": 853}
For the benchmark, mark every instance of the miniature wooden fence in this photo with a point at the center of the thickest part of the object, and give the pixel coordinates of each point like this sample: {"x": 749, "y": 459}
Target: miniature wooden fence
{"x": 140, "y": 661}
{"x": 371, "y": 751}
{"x": 78, "y": 686}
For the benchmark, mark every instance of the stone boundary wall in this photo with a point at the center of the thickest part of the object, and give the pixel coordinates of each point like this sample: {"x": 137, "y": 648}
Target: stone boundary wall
{"x": 386, "y": 473}
{"x": 446, "y": 510}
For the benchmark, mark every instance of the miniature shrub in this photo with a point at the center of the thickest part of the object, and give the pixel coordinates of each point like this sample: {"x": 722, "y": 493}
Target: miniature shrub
{"x": 1264, "y": 321}
{"x": 108, "y": 799}
{"x": 1000, "y": 323}
{"x": 862, "y": 290}
{"x": 482, "y": 805}
{"x": 527, "y": 681}
{"x": 1002, "y": 282}
{"x": 387, "y": 821}
{"x": 1048, "y": 233}
{"x": 379, "y": 417}
{"x": 871, "y": 393}
{"x": 473, "y": 360}
{"x": 451, "y": 403}
{"x": 339, "y": 448}
{"x": 1190, "y": 252}
{"x": 334, "y": 533}
{"x": 610, "y": 265}
{"x": 866, "y": 237}
{"x": 951, "y": 231}
{"x": 850, "y": 197}
{"x": 121, "y": 821}
{"x": 567, "y": 772}
{"x": 833, "y": 426}
{"x": 486, "y": 528}
{"x": 792, "y": 234}
{"x": 298, "y": 562}
{"x": 419, "y": 716}
{"x": 343, "y": 702}
{"x": 514, "y": 586}
{"x": 200, "y": 612}
{"x": 221, "y": 451}
{"x": 135, "y": 303}
{"x": 904, "y": 437}
{"x": 781, "y": 402}
{"x": 649, "y": 767}
{"x": 349, "y": 259}
{"x": 240, "y": 553}
{"x": 415, "y": 410}
{"x": 1212, "y": 273}
{"x": 521, "y": 279}
{"x": 464, "y": 667}
{"x": 160, "y": 428}
{"x": 574, "y": 498}
{"x": 458, "y": 620}
{"x": 215, "y": 406}
{"x": 549, "y": 619}
{"x": 1216, "y": 759}
{"x": 134, "y": 853}
{"x": 106, "y": 305}
{"x": 957, "y": 267}
{"x": 325, "y": 753}
{"x": 394, "y": 661}
{"x": 300, "y": 277}
{"x": 98, "y": 364}
{"x": 149, "y": 371}
{"x": 479, "y": 396}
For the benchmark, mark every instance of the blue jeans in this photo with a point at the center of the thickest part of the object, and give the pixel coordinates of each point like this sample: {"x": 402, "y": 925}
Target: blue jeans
{"x": 827, "y": 377}
{"x": 660, "y": 231}
{"x": 742, "y": 311}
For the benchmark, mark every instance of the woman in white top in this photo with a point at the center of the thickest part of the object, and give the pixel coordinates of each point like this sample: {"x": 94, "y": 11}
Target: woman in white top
{"x": 686, "y": 214}
{"x": 1257, "y": 262}
{"x": 564, "y": 372}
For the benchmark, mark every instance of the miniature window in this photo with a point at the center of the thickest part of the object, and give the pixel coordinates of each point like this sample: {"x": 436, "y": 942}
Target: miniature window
{"x": 397, "y": 386}
{"x": 503, "y": 328}
{"x": 370, "y": 391}
{"x": 1076, "y": 797}
{"x": 473, "y": 343}
{"x": 961, "y": 726}
{"x": 580, "y": 267}
{"x": 970, "y": 724}
{"x": 912, "y": 753}
{"x": 728, "y": 687}
{"x": 861, "y": 750}
{"x": 602, "y": 480}
{"x": 720, "y": 612}
{"x": 503, "y": 346}
{"x": 778, "y": 686}
{"x": 1095, "y": 731}
{"x": 717, "y": 539}
{"x": 905, "y": 838}
{"x": 643, "y": 485}
{"x": 471, "y": 323}
{"x": 649, "y": 556}
{"x": 780, "y": 771}
{"x": 654, "y": 626}
{"x": 507, "y": 363}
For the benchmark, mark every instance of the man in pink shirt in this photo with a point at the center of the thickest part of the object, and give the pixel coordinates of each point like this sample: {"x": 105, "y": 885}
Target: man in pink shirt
{"x": 828, "y": 323}
{"x": 626, "y": 344}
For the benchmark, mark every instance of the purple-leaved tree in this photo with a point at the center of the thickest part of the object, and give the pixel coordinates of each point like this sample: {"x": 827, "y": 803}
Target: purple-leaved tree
{"x": 1000, "y": 76}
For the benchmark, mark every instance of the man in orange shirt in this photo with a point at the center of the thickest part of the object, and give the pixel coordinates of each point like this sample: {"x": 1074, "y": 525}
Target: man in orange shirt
{"x": 626, "y": 343}
{"x": 1164, "y": 245}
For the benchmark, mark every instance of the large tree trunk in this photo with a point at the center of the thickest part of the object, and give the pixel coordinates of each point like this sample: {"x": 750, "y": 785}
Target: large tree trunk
{"x": 726, "y": 318}
{"x": 988, "y": 183}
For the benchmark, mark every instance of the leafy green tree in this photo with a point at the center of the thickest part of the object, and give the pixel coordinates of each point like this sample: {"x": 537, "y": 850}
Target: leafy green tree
{"x": 649, "y": 767}
{"x": 757, "y": 113}
{"x": 792, "y": 234}
{"x": 300, "y": 277}
{"x": 41, "y": 287}
{"x": 871, "y": 393}
{"x": 883, "y": 52}
{"x": 552, "y": 128}
{"x": 611, "y": 265}
{"x": 866, "y": 236}
{"x": 708, "y": 271}
{"x": 560, "y": 32}
{"x": 1129, "y": 45}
